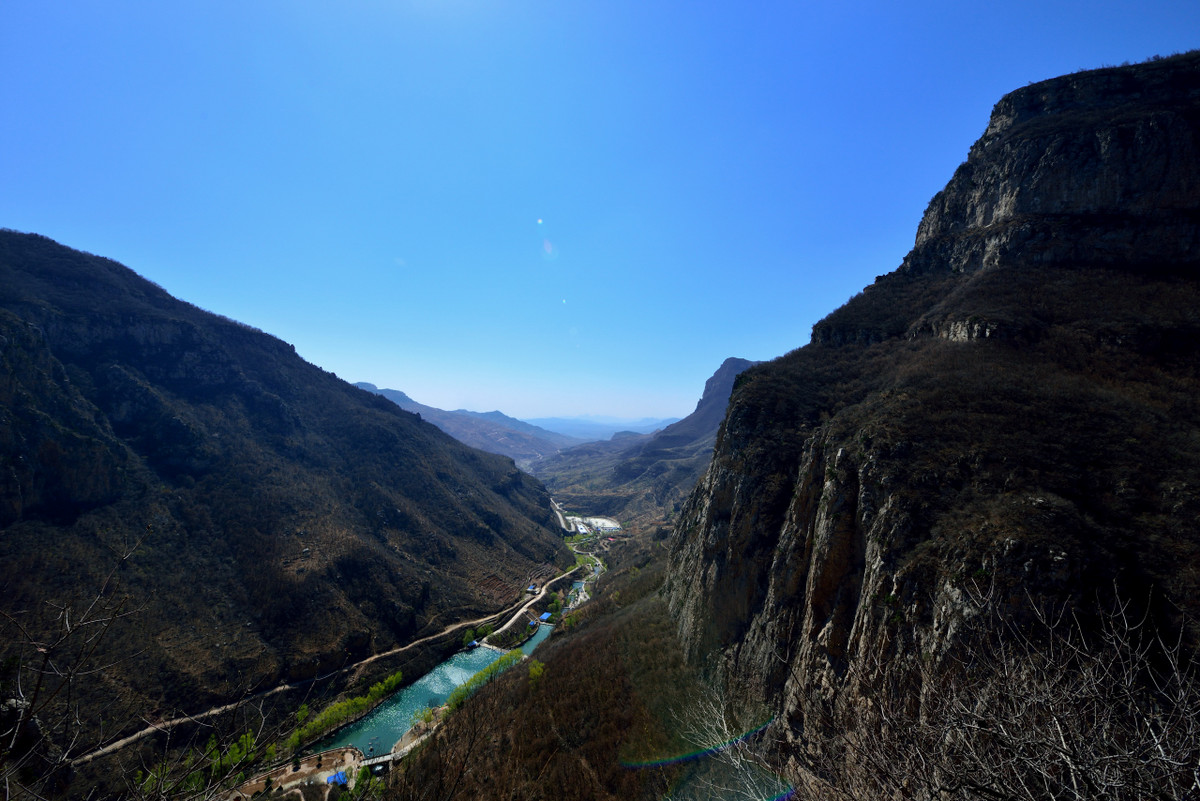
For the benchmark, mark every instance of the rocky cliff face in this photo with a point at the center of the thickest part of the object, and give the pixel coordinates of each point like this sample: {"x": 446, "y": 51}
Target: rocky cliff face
{"x": 1004, "y": 422}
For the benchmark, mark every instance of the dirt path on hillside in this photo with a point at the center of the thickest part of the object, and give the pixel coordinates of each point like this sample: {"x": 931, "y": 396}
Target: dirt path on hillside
{"x": 167, "y": 725}
{"x": 541, "y": 594}
{"x": 562, "y": 521}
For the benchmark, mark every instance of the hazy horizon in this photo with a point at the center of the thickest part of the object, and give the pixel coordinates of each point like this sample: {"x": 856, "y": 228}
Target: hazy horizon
{"x": 537, "y": 208}
{"x": 601, "y": 419}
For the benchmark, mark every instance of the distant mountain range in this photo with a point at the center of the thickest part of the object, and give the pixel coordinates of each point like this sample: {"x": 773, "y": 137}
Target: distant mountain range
{"x": 590, "y": 429}
{"x": 643, "y": 477}
{"x": 634, "y": 470}
{"x": 494, "y": 432}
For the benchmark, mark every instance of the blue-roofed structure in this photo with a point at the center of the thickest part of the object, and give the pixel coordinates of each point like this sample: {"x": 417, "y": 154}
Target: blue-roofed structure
{"x": 338, "y": 778}
{"x": 545, "y": 616}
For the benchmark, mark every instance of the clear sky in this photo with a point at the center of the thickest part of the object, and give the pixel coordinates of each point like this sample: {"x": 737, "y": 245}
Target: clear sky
{"x": 549, "y": 207}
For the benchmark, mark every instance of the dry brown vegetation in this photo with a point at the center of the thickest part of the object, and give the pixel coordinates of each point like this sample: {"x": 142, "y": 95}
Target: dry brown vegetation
{"x": 607, "y": 693}
{"x": 287, "y": 523}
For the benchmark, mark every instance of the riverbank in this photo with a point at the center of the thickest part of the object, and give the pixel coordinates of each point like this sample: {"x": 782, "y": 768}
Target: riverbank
{"x": 406, "y": 708}
{"x": 540, "y": 595}
{"x": 517, "y": 611}
{"x": 428, "y": 692}
{"x": 353, "y": 674}
{"x": 315, "y": 769}
{"x": 451, "y": 685}
{"x": 535, "y": 636}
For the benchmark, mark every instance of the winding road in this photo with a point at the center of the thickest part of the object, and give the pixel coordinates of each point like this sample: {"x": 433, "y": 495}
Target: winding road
{"x": 166, "y": 725}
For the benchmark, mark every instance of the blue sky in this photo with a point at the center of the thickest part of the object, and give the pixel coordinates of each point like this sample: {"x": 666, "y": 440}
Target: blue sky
{"x": 545, "y": 207}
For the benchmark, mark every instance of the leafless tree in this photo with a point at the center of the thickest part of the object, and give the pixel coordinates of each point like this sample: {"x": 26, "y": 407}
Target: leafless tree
{"x": 55, "y": 650}
{"x": 207, "y": 761}
{"x": 440, "y": 766}
{"x": 731, "y": 745}
{"x": 1054, "y": 710}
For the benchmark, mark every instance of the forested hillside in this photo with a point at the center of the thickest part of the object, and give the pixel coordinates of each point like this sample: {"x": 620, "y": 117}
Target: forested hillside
{"x": 265, "y": 520}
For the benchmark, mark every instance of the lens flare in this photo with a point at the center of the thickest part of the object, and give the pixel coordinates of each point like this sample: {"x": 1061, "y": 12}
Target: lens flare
{"x": 703, "y": 752}
{"x": 692, "y": 756}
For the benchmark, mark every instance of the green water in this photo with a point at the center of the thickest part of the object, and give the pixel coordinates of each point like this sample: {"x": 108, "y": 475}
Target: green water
{"x": 376, "y": 733}
{"x": 543, "y": 632}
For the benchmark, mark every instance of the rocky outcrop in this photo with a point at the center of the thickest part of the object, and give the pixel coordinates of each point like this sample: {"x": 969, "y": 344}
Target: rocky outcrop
{"x": 1093, "y": 170}
{"x": 1000, "y": 424}
{"x": 1119, "y": 142}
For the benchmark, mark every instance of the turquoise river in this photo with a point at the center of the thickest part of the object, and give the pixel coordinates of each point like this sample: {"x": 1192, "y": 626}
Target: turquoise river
{"x": 376, "y": 733}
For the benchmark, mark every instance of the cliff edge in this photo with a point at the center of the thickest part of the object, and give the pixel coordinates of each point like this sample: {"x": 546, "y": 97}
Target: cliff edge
{"x": 1004, "y": 425}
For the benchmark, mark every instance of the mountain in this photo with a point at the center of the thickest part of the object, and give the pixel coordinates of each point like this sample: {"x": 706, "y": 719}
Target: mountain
{"x": 931, "y": 540}
{"x": 642, "y": 477}
{"x": 520, "y": 425}
{"x": 266, "y": 520}
{"x": 948, "y": 549}
{"x": 592, "y": 429}
{"x": 493, "y": 432}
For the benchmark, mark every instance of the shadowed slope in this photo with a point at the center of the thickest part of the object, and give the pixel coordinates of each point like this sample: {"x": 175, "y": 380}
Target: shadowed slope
{"x": 1008, "y": 421}
{"x": 285, "y": 521}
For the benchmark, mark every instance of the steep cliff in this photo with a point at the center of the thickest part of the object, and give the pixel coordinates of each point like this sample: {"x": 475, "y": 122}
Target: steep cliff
{"x": 1007, "y": 422}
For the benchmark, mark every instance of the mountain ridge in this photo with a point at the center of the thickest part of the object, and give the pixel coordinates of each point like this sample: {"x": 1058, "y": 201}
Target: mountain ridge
{"x": 640, "y": 478}
{"x": 494, "y": 432}
{"x": 1000, "y": 427}
{"x": 595, "y": 428}
{"x": 271, "y": 521}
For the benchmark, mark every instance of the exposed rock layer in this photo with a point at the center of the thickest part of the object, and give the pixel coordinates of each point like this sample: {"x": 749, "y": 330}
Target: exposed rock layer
{"x": 1008, "y": 419}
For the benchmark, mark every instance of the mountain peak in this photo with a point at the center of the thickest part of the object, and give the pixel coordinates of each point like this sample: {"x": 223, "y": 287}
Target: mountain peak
{"x": 1003, "y": 426}
{"x": 720, "y": 383}
{"x": 1117, "y": 141}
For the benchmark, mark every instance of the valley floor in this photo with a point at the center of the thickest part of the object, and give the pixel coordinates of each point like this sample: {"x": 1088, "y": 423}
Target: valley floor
{"x": 355, "y": 670}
